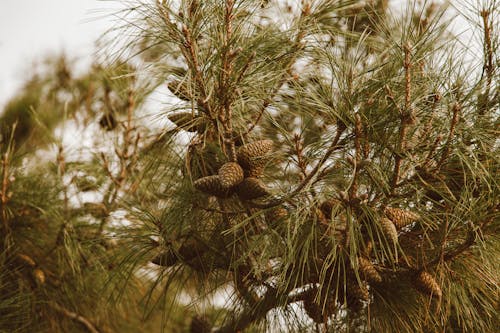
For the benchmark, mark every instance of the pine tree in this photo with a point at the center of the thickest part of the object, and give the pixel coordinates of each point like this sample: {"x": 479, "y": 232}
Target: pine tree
{"x": 326, "y": 166}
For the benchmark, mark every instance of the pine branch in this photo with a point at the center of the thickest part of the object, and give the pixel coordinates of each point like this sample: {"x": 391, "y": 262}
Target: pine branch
{"x": 75, "y": 316}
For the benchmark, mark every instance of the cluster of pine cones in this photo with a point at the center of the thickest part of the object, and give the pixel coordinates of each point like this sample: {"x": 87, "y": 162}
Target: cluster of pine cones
{"x": 241, "y": 177}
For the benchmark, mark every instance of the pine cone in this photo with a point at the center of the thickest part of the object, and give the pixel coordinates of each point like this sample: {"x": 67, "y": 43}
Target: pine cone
{"x": 251, "y": 188}
{"x": 230, "y": 174}
{"x": 389, "y": 229}
{"x": 199, "y": 324}
{"x": 25, "y": 260}
{"x": 368, "y": 270}
{"x": 211, "y": 185}
{"x": 180, "y": 90}
{"x": 39, "y": 276}
{"x": 192, "y": 248}
{"x": 400, "y": 217}
{"x": 425, "y": 283}
{"x": 327, "y": 207}
{"x": 254, "y": 156}
{"x": 355, "y": 295}
{"x": 319, "y": 311}
{"x": 165, "y": 259}
{"x": 108, "y": 121}
{"x": 276, "y": 214}
{"x": 188, "y": 122}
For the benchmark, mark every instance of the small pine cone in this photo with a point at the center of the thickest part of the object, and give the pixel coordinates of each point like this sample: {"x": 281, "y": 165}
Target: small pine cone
{"x": 188, "y": 122}
{"x": 318, "y": 311}
{"x": 251, "y": 188}
{"x": 39, "y": 276}
{"x": 180, "y": 90}
{"x": 401, "y": 217}
{"x": 327, "y": 207}
{"x": 355, "y": 295}
{"x": 368, "y": 270}
{"x": 426, "y": 283}
{"x": 253, "y": 156}
{"x": 389, "y": 229}
{"x": 108, "y": 121}
{"x": 359, "y": 292}
{"x": 192, "y": 248}
{"x": 313, "y": 310}
{"x": 199, "y": 324}
{"x": 276, "y": 214}
{"x": 165, "y": 259}
{"x": 26, "y": 260}
{"x": 230, "y": 174}
{"x": 368, "y": 248}
{"x": 257, "y": 170}
{"x": 211, "y": 185}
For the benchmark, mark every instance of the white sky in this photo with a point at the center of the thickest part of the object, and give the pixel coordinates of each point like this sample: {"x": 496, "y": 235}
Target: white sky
{"x": 31, "y": 29}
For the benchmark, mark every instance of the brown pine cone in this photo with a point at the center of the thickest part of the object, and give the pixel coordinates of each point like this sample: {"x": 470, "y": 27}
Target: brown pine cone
{"x": 356, "y": 294}
{"x": 401, "y": 217}
{"x": 389, "y": 229}
{"x": 425, "y": 283}
{"x": 276, "y": 214}
{"x": 251, "y": 188}
{"x": 199, "y": 324}
{"x": 368, "y": 270}
{"x": 188, "y": 122}
{"x": 39, "y": 276}
{"x": 328, "y": 205}
{"x": 319, "y": 311}
{"x": 25, "y": 260}
{"x": 230, "y": 174}
{"x": 211, "y": 185}
{"x": 180, "y": 90}
{"x": 165, "y": 259}
{"x": 254, "y": 156}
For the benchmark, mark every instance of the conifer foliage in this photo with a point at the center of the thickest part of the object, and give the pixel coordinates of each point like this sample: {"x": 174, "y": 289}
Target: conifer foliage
{"x": 327, "y": 166}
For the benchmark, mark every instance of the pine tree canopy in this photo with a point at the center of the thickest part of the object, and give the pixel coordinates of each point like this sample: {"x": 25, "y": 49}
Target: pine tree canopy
{"x": 259, "y": 166}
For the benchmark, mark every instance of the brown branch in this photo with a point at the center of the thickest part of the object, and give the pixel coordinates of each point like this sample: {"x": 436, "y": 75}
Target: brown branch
{"x": 75, "y": 316}
{"x": 192, "y": 58}
{"x": 224, "y": 84}
{"x": 488, "y": 61}
{"x": 5, "y": 184}
{"x": 459, "y": 249}
{"x": 353, "y": 189}
{"x": 453, "y": 124}
{"x": 406, "y": 117}
{"x": 300, "y": 157}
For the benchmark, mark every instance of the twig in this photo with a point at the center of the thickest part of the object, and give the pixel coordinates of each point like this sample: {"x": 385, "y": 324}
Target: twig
{"x": 306, "y": 11}
{"x": 357, "y": 159}
{"x": 308, "y": 178}
{"x": 406, "y": 117}
{"x": 453, "y": 124}
{"x": 75, "y": 316}
{"x": 300, "y": 157}
{"x": 224, "y": 84}
{"x": 3, "y": 194}
{"x": 191, "y": 57}
{"x": 459, "y": 249}
{"x": 488, "y": 61}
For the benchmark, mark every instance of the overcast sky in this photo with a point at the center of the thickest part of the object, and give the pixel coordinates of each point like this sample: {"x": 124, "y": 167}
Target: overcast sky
{"x": 30, "y": 29}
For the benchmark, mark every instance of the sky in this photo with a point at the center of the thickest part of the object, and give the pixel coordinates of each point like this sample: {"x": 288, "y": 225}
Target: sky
{"x": 32, "y": 29}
